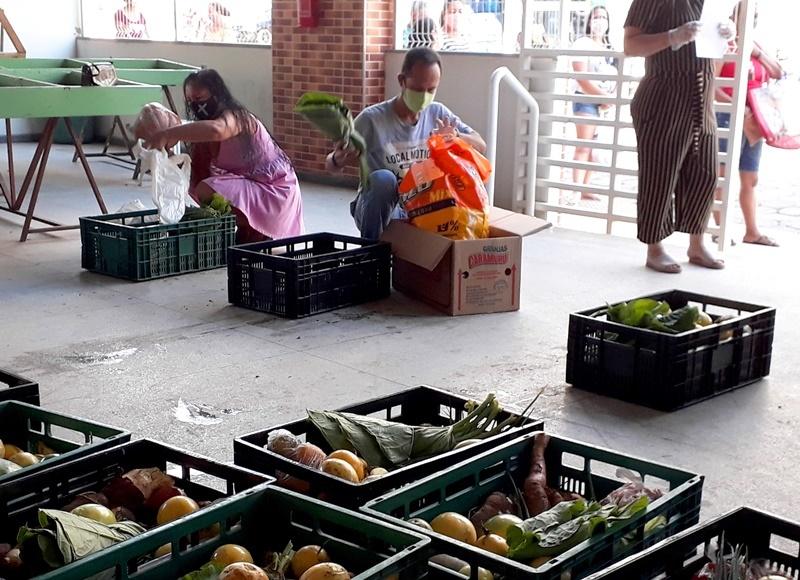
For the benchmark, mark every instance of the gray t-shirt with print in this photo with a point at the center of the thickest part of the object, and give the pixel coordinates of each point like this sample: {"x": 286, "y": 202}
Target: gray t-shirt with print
{"x": 395, "y": 145}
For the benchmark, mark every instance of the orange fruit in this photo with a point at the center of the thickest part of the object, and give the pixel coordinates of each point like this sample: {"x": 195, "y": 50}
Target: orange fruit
{"x": 455, "y": 526}
{"x": 494, "y": 544}
{"x": 174, "y": 508}
{"x": 306, "y": 557}
{"x": 351, "y": 458}
{"x": 231, "y": 554}
{"x": 340, "y": 468}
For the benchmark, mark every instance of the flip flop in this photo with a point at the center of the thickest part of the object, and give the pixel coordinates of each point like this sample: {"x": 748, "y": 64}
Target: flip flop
{"x": 714, "y": 264}
{"x": 763, "y": 241}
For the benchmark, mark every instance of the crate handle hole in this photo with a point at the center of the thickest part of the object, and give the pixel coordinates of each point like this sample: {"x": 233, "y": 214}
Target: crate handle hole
{"x": 784, "y": 545}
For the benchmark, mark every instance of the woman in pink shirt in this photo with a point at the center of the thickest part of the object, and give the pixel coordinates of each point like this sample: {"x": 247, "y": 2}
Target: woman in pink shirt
{"x": 234, "y": 155}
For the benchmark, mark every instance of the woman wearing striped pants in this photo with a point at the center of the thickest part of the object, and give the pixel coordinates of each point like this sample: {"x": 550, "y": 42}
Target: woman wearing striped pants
{"x": 675, "y": 128}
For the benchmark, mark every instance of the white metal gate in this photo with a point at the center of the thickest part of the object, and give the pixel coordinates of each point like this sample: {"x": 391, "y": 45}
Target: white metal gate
{"x": 547, "y": 74}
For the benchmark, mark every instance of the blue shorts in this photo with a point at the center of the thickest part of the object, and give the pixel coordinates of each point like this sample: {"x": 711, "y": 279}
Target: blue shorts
{"x": 750, "y": 156}
{"x": 586, "y": 109}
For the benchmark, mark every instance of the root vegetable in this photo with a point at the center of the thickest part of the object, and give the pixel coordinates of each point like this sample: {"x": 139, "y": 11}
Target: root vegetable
{"x": 535, "y": 487}
{"x": 496, "y": 503}
{"x": 308, "y": 454}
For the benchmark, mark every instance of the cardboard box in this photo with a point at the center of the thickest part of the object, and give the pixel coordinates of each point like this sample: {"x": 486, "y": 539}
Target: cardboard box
{"x": 463, "y": 276}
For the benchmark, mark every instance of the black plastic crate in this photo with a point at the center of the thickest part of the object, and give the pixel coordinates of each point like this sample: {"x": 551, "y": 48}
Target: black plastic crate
{"x": 665, "y": 371}
{"x": 15, "y": 388}
{"x": 201, "y": 478}
{"x": 416, "y": 406}
{"x": 585, "y": 469}
{"x": 139, "y": 250}
{"x": 261, "y": 519}
{"x": 307, "y": 275}
{"x": 766, "y": 536}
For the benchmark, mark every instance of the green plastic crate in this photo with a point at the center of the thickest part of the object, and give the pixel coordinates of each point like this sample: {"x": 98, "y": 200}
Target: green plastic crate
{"x": 15, "y": 388}
{"x": 571, "y": 466}
{"x": 766, "y": 536}
{"x": 25, "y": 425}
{"x": 261, "y": 519}
{"x": 201, "y": 478}
{"x": 138, "y": 250}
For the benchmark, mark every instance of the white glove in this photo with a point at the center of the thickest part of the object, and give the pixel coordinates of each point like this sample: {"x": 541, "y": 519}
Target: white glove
{"x": 683, "y": 34}
{"x": 727, "y": 30}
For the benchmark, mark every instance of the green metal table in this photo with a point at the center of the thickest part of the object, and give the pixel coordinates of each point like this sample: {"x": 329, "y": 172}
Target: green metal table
{"x": 51, "y": 89}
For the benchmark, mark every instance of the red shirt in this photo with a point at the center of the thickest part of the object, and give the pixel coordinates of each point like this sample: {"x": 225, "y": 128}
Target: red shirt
{"x": 757, "y": 74}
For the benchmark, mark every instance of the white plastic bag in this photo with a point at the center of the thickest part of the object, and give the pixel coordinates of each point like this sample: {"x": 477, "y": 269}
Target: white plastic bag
{"x": 170, "y": 185}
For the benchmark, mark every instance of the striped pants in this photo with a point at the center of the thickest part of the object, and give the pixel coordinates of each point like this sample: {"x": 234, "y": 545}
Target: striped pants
{"x": 675, "y": 156}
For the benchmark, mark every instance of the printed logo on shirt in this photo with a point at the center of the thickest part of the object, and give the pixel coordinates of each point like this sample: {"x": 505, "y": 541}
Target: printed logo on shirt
{"x": 401, "y": 156}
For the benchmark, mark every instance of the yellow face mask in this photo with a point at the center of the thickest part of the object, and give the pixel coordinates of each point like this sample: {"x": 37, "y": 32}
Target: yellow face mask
{"x": 417, "y": 101}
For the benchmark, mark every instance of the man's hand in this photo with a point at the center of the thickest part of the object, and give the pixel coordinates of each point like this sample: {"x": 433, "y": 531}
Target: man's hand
{"x": 344, "y": 154}
{"x": 446, "y": 128}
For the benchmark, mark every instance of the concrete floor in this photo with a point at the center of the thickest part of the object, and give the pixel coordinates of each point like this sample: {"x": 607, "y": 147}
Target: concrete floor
{"x": 125, "y": 353}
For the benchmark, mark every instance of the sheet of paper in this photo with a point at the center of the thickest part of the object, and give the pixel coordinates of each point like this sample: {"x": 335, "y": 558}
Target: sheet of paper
{"x": 709, "y": 43}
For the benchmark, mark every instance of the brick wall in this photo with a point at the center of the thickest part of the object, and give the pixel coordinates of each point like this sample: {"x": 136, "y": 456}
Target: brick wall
{"x": 338, "y": 57}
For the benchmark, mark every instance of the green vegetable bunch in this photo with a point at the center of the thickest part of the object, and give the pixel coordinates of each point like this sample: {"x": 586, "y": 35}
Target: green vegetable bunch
{"x": 216, "y": 207}
{"x": 654, "y": 315}
{"x": 331, "y": 116}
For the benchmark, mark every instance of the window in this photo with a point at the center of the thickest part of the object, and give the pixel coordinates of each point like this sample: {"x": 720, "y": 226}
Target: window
{"x": 459, "y": 25}
{"x": 227, "y": 21}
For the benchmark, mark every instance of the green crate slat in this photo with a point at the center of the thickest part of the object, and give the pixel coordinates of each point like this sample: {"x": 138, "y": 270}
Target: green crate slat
{"x": 24, "y": 425}
{"x": 153, "y": 251}
{"x": 18, "y": 388}
{"x": 466, "y": 485}
{"x": 766, "y": 536}
{"x": 413, "y": 406}
{"x": 264, "y": 518}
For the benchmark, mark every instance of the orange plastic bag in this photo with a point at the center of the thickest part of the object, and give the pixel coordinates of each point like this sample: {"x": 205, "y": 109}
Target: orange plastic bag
{"x": 445, "y": 194}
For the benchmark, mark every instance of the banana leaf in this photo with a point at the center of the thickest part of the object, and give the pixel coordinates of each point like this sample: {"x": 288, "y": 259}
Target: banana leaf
{"x": 331, "y": 116}
{"x": 381, "y": 443}
{"x": 64, "y": 537}
{"x": 566, "y": 525}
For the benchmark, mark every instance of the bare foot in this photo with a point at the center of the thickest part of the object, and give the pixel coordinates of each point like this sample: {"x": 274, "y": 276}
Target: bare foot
{"x": 703, "y": 258}
{"x": 590, "y": 197}
{"x": 660, "y": 261}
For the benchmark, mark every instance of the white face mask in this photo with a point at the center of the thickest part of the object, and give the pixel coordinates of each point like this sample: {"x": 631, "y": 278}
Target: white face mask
{"x": 598, "y": 26}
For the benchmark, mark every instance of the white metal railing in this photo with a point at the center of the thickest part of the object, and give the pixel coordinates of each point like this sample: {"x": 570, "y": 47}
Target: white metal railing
{"x": 546, "y": 74}
{"x": 503, "y": 74}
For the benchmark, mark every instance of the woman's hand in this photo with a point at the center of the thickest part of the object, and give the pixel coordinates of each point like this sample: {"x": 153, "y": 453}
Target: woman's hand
{"x": 446, "y": 128}
{"x": 683, "y": 34}
{"x": 157, "y": 140}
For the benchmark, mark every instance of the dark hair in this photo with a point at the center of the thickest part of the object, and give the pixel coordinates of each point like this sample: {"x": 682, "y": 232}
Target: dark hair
{"x": 422, "y": 55}
{"x": 423, "y": 33}
{"x": 588, "y": 31}
{"x": 210, "y": 79}
{"x": 444, "y": 10}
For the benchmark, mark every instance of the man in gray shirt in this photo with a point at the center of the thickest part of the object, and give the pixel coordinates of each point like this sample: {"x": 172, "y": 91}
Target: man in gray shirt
{"x": 396, "y": 132}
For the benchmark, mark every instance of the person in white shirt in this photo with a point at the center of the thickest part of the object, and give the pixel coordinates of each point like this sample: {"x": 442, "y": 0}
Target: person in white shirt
{"x": 596, "y": 39}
